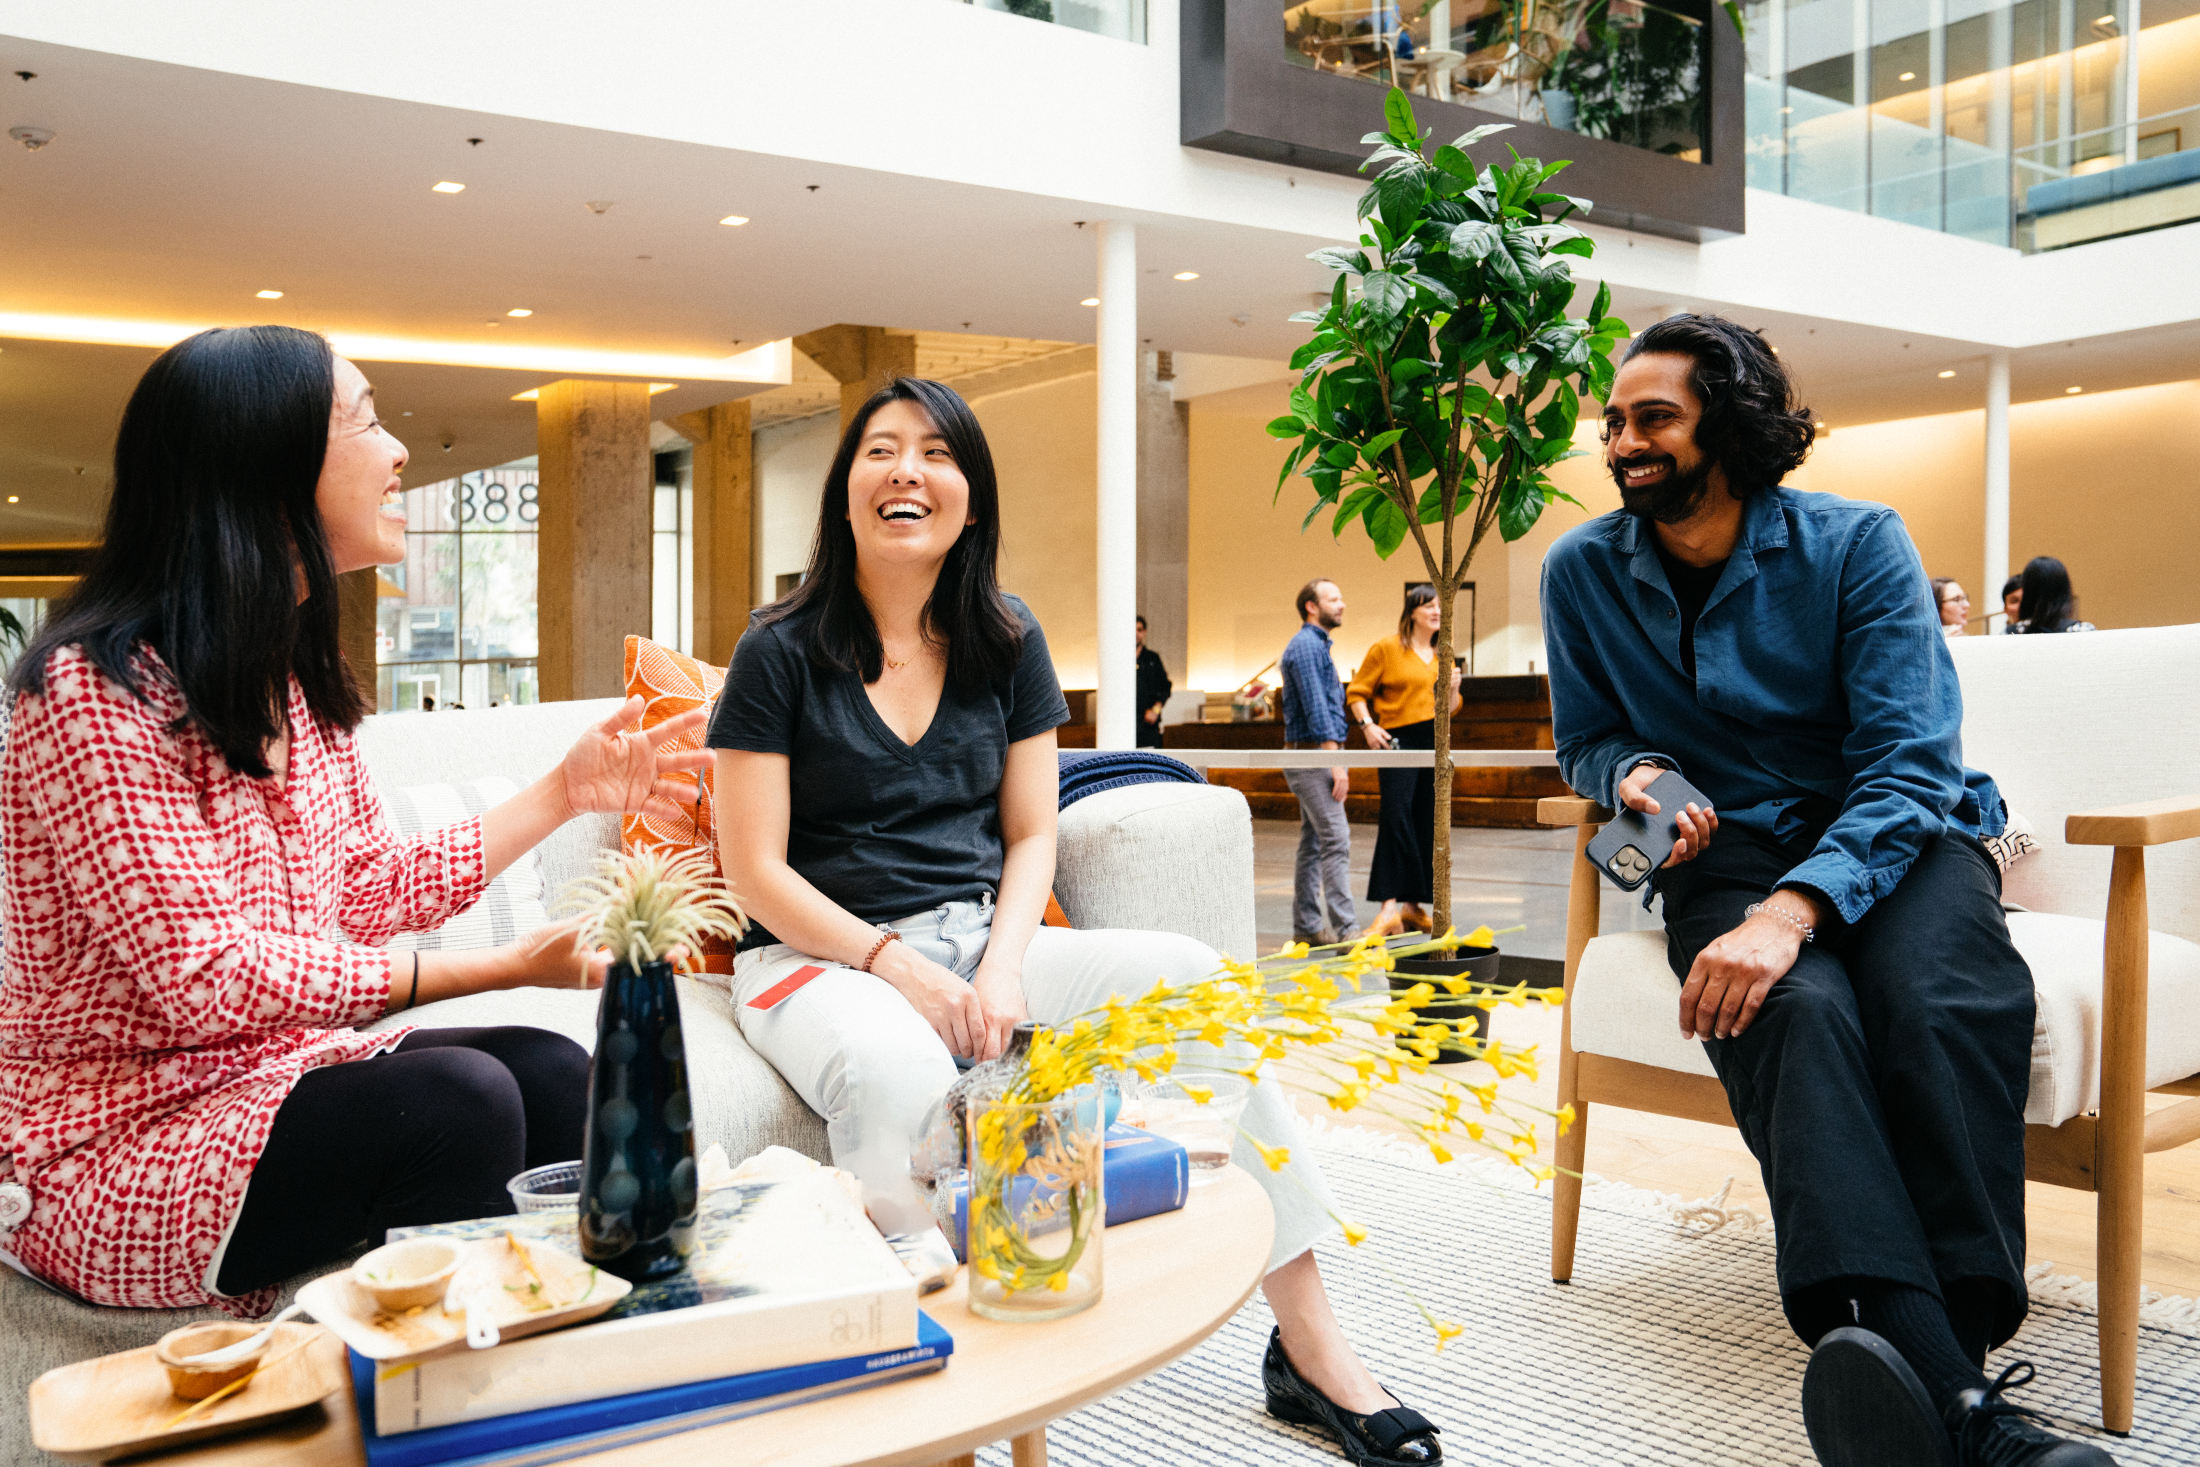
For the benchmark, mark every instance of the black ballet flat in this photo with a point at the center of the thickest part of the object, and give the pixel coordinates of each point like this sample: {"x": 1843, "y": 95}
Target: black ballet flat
{"x": 1398, "y": 1437}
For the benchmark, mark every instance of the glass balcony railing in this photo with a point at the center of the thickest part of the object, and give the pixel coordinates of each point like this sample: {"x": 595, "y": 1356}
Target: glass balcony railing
{"x": 2112, "y": 180}
{"x": 1624, "y": 70}
{"x": 1123, "y": 20}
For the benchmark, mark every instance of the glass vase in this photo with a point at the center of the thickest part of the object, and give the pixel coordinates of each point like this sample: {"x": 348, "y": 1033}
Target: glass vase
{"x": 638, "y": 1184}
{"x": 1036, "y": 1213}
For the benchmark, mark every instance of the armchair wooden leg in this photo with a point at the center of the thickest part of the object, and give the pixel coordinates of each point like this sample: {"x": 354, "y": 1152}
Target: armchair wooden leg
{"x": 2121, "y": 1139}
{"x": 1584, "y": 898}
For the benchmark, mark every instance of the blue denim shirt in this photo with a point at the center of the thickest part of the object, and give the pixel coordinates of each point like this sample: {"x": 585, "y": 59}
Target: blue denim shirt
{"x": 1313, "y": 695}
{"x": 1825, "y": 713}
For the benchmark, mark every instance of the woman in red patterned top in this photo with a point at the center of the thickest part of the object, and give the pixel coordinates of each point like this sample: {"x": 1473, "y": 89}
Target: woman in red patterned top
{"x": 199, "y": 879}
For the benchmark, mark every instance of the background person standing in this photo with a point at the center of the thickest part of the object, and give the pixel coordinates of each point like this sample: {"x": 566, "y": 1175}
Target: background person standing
{"x": 1153, "y": 691}
{"x": 1398, "y": 678}
{"x": 1313, "y": 718}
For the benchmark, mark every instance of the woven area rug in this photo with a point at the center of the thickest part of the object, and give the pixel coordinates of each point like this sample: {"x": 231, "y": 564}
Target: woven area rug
{"x": 1667, "y": 1348}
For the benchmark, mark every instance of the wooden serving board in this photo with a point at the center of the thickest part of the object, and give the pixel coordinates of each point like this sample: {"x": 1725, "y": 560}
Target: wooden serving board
{"x": 557, "y": 1291}
{"x": 119, "y": 1405}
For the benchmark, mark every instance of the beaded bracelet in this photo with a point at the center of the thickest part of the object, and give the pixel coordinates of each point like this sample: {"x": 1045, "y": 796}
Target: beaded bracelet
{"x": 885, "y": 936}
{"x": 1810, "y": 933}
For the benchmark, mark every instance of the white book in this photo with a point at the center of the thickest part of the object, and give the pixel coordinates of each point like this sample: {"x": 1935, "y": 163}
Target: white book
{"x": 784, "y": 1273}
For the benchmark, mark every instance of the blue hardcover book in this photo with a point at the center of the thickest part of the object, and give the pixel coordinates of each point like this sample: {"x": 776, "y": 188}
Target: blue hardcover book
{"x": 532, "y": 1438}
{"x": 1141, "y": 1173}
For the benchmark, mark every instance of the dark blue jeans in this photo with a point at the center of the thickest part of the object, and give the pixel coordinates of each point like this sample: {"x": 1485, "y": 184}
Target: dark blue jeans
{"x": 1882, "y": 1086}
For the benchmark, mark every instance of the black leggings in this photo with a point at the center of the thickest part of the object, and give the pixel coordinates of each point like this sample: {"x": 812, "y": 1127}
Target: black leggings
{"x": 1404, "y": 868}
{"x": 428, "y": 1132}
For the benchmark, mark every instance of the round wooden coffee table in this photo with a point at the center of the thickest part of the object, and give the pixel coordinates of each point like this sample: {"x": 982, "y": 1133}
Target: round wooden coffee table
{"x": 1170, "y": 1282}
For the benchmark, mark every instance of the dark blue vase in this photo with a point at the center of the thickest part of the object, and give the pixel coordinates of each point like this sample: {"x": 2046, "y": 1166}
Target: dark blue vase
{"x": 638, "y": 1184}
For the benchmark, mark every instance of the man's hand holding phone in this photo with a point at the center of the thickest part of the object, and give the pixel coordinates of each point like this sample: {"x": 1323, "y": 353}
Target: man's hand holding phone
{"x": 1694, "y": 826}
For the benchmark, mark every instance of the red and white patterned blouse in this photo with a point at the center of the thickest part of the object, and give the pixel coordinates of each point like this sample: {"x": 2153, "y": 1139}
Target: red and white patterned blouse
{"x": 175, "y": 962}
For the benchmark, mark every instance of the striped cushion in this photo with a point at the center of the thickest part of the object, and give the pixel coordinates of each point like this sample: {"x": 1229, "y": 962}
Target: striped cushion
{"x": 513, "y": 904}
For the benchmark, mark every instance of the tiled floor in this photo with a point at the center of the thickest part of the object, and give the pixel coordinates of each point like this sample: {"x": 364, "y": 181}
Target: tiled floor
{"x": 1500, "y": 877}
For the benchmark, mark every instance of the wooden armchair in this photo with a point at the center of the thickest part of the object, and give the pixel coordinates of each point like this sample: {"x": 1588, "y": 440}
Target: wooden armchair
{"x": 2125, "y": 721}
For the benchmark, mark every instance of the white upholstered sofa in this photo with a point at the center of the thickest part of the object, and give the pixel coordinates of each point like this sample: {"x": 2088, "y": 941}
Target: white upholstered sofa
{"x": 2094, "y": 740}
{"x": 1169, "y": 857}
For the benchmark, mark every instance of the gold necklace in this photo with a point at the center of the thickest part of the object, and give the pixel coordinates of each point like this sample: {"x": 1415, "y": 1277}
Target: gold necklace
{"x": 895, "y": 666}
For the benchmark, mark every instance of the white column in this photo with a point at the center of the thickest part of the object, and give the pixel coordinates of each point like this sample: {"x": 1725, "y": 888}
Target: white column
{"x": 1116, "y": 639}
{"x": 2127, "y": 76}
{"x": 1997, "y": 483}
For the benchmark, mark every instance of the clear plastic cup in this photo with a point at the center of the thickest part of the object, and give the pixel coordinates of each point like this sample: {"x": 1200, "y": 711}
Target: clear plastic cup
{"x": 546, "y": 1188}
{"x": 1207, "y": 1130}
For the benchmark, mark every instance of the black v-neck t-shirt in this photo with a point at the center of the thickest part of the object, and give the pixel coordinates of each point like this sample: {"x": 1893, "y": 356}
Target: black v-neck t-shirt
{"x": 885, "y": 829}
{"x": 1692, "y": 587}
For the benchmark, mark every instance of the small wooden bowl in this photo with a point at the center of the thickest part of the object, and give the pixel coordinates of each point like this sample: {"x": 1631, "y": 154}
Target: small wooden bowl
{"x": 407, "y": 1275}
{"x": 197, "y": 1382}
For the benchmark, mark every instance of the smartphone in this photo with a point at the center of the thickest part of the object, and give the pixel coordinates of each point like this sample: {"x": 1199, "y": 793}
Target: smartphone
{"x": 1634, "y": 845}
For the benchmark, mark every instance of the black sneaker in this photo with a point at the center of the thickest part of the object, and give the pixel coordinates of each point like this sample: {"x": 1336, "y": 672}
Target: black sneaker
{"x": 1863, "y": 1406}
{"x": 1992, "y": 1432}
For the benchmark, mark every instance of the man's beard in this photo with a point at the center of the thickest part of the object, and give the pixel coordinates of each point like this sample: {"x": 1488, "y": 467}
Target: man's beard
{"x": 1671, "y": 499}
{"x": 1329, "y": 623}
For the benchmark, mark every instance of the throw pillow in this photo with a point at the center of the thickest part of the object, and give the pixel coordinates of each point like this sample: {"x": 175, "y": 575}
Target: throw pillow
{"x": 2015, "y": 842}
{"x": 671, "y": 683}
{"x": 512, "y": 906}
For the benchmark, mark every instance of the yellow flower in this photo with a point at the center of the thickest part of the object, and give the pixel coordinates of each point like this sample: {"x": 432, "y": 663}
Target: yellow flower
{"x": 1480, "y": 937}
{"x": 1355, "y": 1234}
{"x": 1436, "y": 1149}
{"x": 1275, "y": 1156}
{"x": 1059, "y": 1281}
{"x": 1200, "y": 1093}
{"x": 1446, "y": 1332}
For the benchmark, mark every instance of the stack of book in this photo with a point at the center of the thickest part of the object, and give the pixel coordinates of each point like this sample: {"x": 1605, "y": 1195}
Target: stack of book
{"x": 792, "y": 1296}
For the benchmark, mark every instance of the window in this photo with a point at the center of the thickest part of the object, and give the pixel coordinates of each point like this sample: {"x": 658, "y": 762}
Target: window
{"x": 455, "y": 624}
{"x": 672, "y": 552}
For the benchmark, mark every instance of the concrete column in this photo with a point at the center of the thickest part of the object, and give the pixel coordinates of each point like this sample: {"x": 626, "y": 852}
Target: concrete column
{"x": 355, "y": 626}
{"x": 1164, "y": 514}
{"x": 1116, "y": 637}
{"x": 862, "y": 359}
{"x": 595, "y": 478}
{"x": 1997, "y": 481}
{"x": 724, "y": 526}
{"x": 2127, "y": 79}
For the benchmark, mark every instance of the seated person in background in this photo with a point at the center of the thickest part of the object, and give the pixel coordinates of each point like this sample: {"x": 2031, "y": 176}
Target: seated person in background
{"x": 886, "y": 785}
{"x": 190, "y": 834}
{"x": 1836, "y": 923}
{"x": 2045, "y": 601}
{"x": 1954, "y": 605}
{"x": 2012, "y": 602}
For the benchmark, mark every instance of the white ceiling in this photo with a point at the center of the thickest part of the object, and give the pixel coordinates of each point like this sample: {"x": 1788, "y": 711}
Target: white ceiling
{"x": 173, "y": 194}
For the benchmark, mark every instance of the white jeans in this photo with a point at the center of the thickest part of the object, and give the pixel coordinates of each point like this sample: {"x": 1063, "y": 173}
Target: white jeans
{"x": 861, "y": 1057}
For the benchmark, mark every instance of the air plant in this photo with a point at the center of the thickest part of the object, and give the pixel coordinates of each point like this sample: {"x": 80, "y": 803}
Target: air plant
{"x": 645, "y": 904}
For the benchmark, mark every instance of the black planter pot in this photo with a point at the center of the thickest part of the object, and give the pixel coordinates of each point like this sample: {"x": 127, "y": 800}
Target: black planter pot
{"x": 1476, "y": 965}
{"x": 638, "y": 1183}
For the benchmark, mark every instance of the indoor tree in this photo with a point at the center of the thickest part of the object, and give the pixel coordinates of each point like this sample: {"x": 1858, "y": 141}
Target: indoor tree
{"x": 1444, "y": 376}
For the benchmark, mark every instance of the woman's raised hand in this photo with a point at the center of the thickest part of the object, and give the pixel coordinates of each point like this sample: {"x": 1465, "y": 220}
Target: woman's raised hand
{"x": 618, "y": 768}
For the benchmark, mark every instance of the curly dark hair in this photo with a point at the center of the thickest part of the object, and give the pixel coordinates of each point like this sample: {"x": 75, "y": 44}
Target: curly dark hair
{"x": 1753, "y": 425}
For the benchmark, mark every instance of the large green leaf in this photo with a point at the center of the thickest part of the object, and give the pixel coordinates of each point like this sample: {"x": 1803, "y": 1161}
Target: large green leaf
{"x": 1374, "y": 449}
{"x": 1386, "y": 294}
{"x": 1467, "y": 140}
{"x": 1386, "y": 526}
{"x": 1286, "y": 426}
{"x": 1342, "y": 257}
{"x": 1351, "y": 507}
{"x": 1517, "y": 513}
{"x": 1398, "y": 113}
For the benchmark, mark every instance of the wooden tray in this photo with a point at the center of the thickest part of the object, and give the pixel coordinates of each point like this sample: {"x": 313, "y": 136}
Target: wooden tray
{"x": 119, "y": 1405}
{"x": 574, "y": 1291}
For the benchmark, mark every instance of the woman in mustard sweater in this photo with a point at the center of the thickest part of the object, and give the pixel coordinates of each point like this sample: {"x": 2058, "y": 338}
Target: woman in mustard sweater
{"x": 1393, "y": 699}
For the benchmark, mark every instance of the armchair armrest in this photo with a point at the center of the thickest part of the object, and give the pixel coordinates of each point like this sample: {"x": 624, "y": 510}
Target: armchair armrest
{"x": 2149, "y": 823}
{"x": 1569, "y": 810}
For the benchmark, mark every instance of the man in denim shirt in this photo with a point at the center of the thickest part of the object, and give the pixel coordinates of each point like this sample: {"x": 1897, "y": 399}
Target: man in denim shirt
{"x": 1834, "y": 919}
{"x": 1313, "y": 718}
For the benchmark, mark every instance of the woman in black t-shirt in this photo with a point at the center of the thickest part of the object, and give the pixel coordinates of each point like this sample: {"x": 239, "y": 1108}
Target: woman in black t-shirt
{"x": 886, "y": 794}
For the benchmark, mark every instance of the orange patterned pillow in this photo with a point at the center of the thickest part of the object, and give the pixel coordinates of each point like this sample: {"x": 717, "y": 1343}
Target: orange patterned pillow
{"x": 670, "y": 684}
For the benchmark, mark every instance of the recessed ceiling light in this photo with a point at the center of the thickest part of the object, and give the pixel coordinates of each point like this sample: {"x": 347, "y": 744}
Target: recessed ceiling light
{"x": 15, "y": 499}
{"x": 657, "y": 387}
{"x": 269, "y": 295}
{"x": 1787, "y": 111}
{"x": 1907, "y": 76}
{"x": 519, "y": 311}
{"x": 1187, "y": 274}
{"x": 1820, "y": 425}
{"x": 448, "y": 187}
{"x": 2070, "y": 390}
{"x": 1090, "y": 300}
{"x": 532, "y": 394}
{"x": 735, "y": 220}
{"x": 1949, "y": 373}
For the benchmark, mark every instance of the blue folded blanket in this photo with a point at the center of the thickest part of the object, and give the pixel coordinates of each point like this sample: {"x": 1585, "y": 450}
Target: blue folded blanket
{"x": 1089, "y": 771}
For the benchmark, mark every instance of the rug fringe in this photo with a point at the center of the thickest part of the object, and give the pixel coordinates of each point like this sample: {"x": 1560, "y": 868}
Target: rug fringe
{"x": 2172, "y": 1312}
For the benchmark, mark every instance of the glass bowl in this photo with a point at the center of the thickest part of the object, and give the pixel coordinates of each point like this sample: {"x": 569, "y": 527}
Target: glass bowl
{"x": 546, "y": 1188}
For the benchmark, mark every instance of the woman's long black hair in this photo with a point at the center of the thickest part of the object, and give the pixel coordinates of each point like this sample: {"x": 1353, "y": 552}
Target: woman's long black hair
{"x": 2048, "y": 604}
{"x": 966, "y": 613}
{"x": 213, "y": 520}
{"x": 1418, "y": 595}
